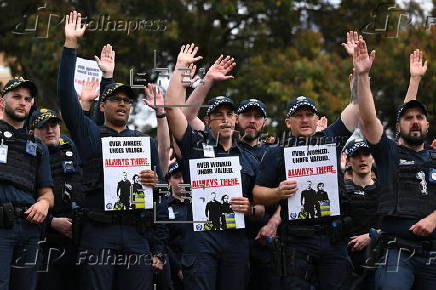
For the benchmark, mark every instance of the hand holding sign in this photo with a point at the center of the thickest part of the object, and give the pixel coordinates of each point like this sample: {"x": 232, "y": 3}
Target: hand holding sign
{"x": 240, "y": 204}
{"x": 147, "y": 178}
{"x": 286, "y": 188}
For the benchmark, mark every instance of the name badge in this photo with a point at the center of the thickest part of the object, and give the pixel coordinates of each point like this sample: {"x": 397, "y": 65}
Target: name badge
{"x": 208, "y": 151}
{"x": 432, "y": 176}
{"x": 3, "y": 153}
{"x": 171, "y": 214}
{"x": 31, "y": 148}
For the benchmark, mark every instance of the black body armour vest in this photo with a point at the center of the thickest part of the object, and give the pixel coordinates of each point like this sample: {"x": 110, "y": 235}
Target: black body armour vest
{"x": 23, "y": 157}
{"x": 93, "y": 169}
{"x": 67, "y": 179}
{"x": 413, "y": 194}
{"x": 361, "y": 206}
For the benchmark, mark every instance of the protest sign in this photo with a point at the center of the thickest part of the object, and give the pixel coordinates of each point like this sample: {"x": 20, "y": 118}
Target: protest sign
{"x": 315, "y": 170}
{"x": 85, "y": 69}
{"x": 213, "y": 182}
{"x": 123, "y": 159}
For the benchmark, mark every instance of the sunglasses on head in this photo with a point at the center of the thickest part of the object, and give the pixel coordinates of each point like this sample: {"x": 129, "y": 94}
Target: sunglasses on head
{"x": 119, "y": 99}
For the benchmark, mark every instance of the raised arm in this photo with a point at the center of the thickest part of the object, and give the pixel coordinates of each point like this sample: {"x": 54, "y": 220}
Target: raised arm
{"x": 216, "y": 73}
{"x": 155, "y": 100}
{"x": 371, "y": 126}
{"x": 84, "y": 132}
{"x": 176, "y": 91}
{"x": 349, "y": 115}
{"x": 417, "y": 71}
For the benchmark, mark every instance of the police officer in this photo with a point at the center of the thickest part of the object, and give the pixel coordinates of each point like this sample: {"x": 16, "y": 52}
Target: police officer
{"x": 359, "y": 204}
{"x": 211, "y": 258}
{"x": 406, "y": 174}
{"x": 117, "y": 233}
{"x": 252, "y": 118}
{"x": 315, "y": 254}
{"x": 178, "y": 205}
{"x": 59, "y": 269}
{"x": 25, "y": 188}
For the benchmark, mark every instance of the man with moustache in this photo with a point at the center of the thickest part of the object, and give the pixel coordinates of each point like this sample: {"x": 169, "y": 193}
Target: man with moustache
{"x": 211, "y": 257}
{"x": 407, "y": 177}
{"x": 61, "y": 269}
{"x": 25, "y": 188}
{"x": 124, "y": 233}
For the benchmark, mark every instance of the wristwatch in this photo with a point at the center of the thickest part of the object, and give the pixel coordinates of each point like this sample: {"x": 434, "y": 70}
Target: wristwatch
{"x": 163, "y": 115}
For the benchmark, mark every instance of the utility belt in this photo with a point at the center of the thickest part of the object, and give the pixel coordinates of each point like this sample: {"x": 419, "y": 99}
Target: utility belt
{"x": 386, "y": 241}
{"x": 143, "y": 220}
{"x": 336, "y": 230}
{"x": 391, "y": 241}
{"x": 9, "y": 213}
{"x": 291, "y": 262}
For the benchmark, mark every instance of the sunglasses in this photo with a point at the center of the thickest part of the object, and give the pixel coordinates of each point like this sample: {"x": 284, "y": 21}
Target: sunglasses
{"x": 119, "y": 99}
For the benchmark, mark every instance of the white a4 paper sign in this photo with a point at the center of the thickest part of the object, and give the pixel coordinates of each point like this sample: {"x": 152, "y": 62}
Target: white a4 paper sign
{"x": 123, "y": 159}
{"x": 315, "y": 170}
{"x": 85, "y": 69}
{"x": 213, "y": 182}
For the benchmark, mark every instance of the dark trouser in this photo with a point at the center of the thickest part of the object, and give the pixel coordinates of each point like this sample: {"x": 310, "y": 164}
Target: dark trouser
{"x": 329, "y": 268}
{"x": 18, "y": 256}
{"x": 114, "y": 256}
{"x": 363, "y": 279}
{"x": 261, "y": 268}
{"x": 59, "y": 270}
{"x": 401, "y": 269}
{"x": 217, "y": 260}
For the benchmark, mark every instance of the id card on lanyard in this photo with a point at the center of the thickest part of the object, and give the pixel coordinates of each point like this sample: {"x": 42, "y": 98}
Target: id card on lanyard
{"x": 208, "y": 151}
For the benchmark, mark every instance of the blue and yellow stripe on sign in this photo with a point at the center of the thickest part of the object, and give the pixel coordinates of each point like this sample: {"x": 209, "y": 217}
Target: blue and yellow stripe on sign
{"x": 325, "y": 208}
{"x": 230, "y": 220}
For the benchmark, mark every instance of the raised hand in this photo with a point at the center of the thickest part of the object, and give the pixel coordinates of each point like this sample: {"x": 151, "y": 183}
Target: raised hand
{"x": 362, "y": 61}
{"x": 106, "y": 62}
{"x": 352, "y": 41}
{"x": 154, "y": 98}
{"x": 322, "y": 124}
{"x": 73, "y": 29}
{"x": 90, "y": 90}
{"x": 189, "y": 72}
{"x": 417, "y": 69}
{"x": 187, "y": 55}
{"x": 219, "y": 70}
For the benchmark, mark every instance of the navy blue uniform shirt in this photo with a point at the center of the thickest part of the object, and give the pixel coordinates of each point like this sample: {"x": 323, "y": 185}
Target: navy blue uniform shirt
{"x": 272, "y": 167}
{"x": 84, "y": 131}
{"x": 9, "y": 193}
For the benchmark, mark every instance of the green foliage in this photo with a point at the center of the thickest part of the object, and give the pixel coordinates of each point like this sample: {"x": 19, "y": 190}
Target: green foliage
{"x": 283, "y": 48}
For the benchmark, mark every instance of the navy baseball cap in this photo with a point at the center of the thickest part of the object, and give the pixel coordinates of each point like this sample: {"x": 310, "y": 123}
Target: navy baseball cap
{"x": 214, "y": 103}
{"x": 42, "y": 116}
{"x": 354, "y": 145}
{"x": 111, "y": 89}
{"x": 410, "y": 104}
{"x": 299, "y": 102}
{"x": 20, "y": 82}
{"x": 245, "y": 105}
{"x": 173, "y": 168}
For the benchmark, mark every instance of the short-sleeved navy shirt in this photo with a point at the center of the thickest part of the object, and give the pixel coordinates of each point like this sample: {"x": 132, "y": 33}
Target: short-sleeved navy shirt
{"x": 258, "y": 150}
{"x": 9, "y": 193}
{"x": 272, "y": 167}
{"x": 386, "y": 156}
